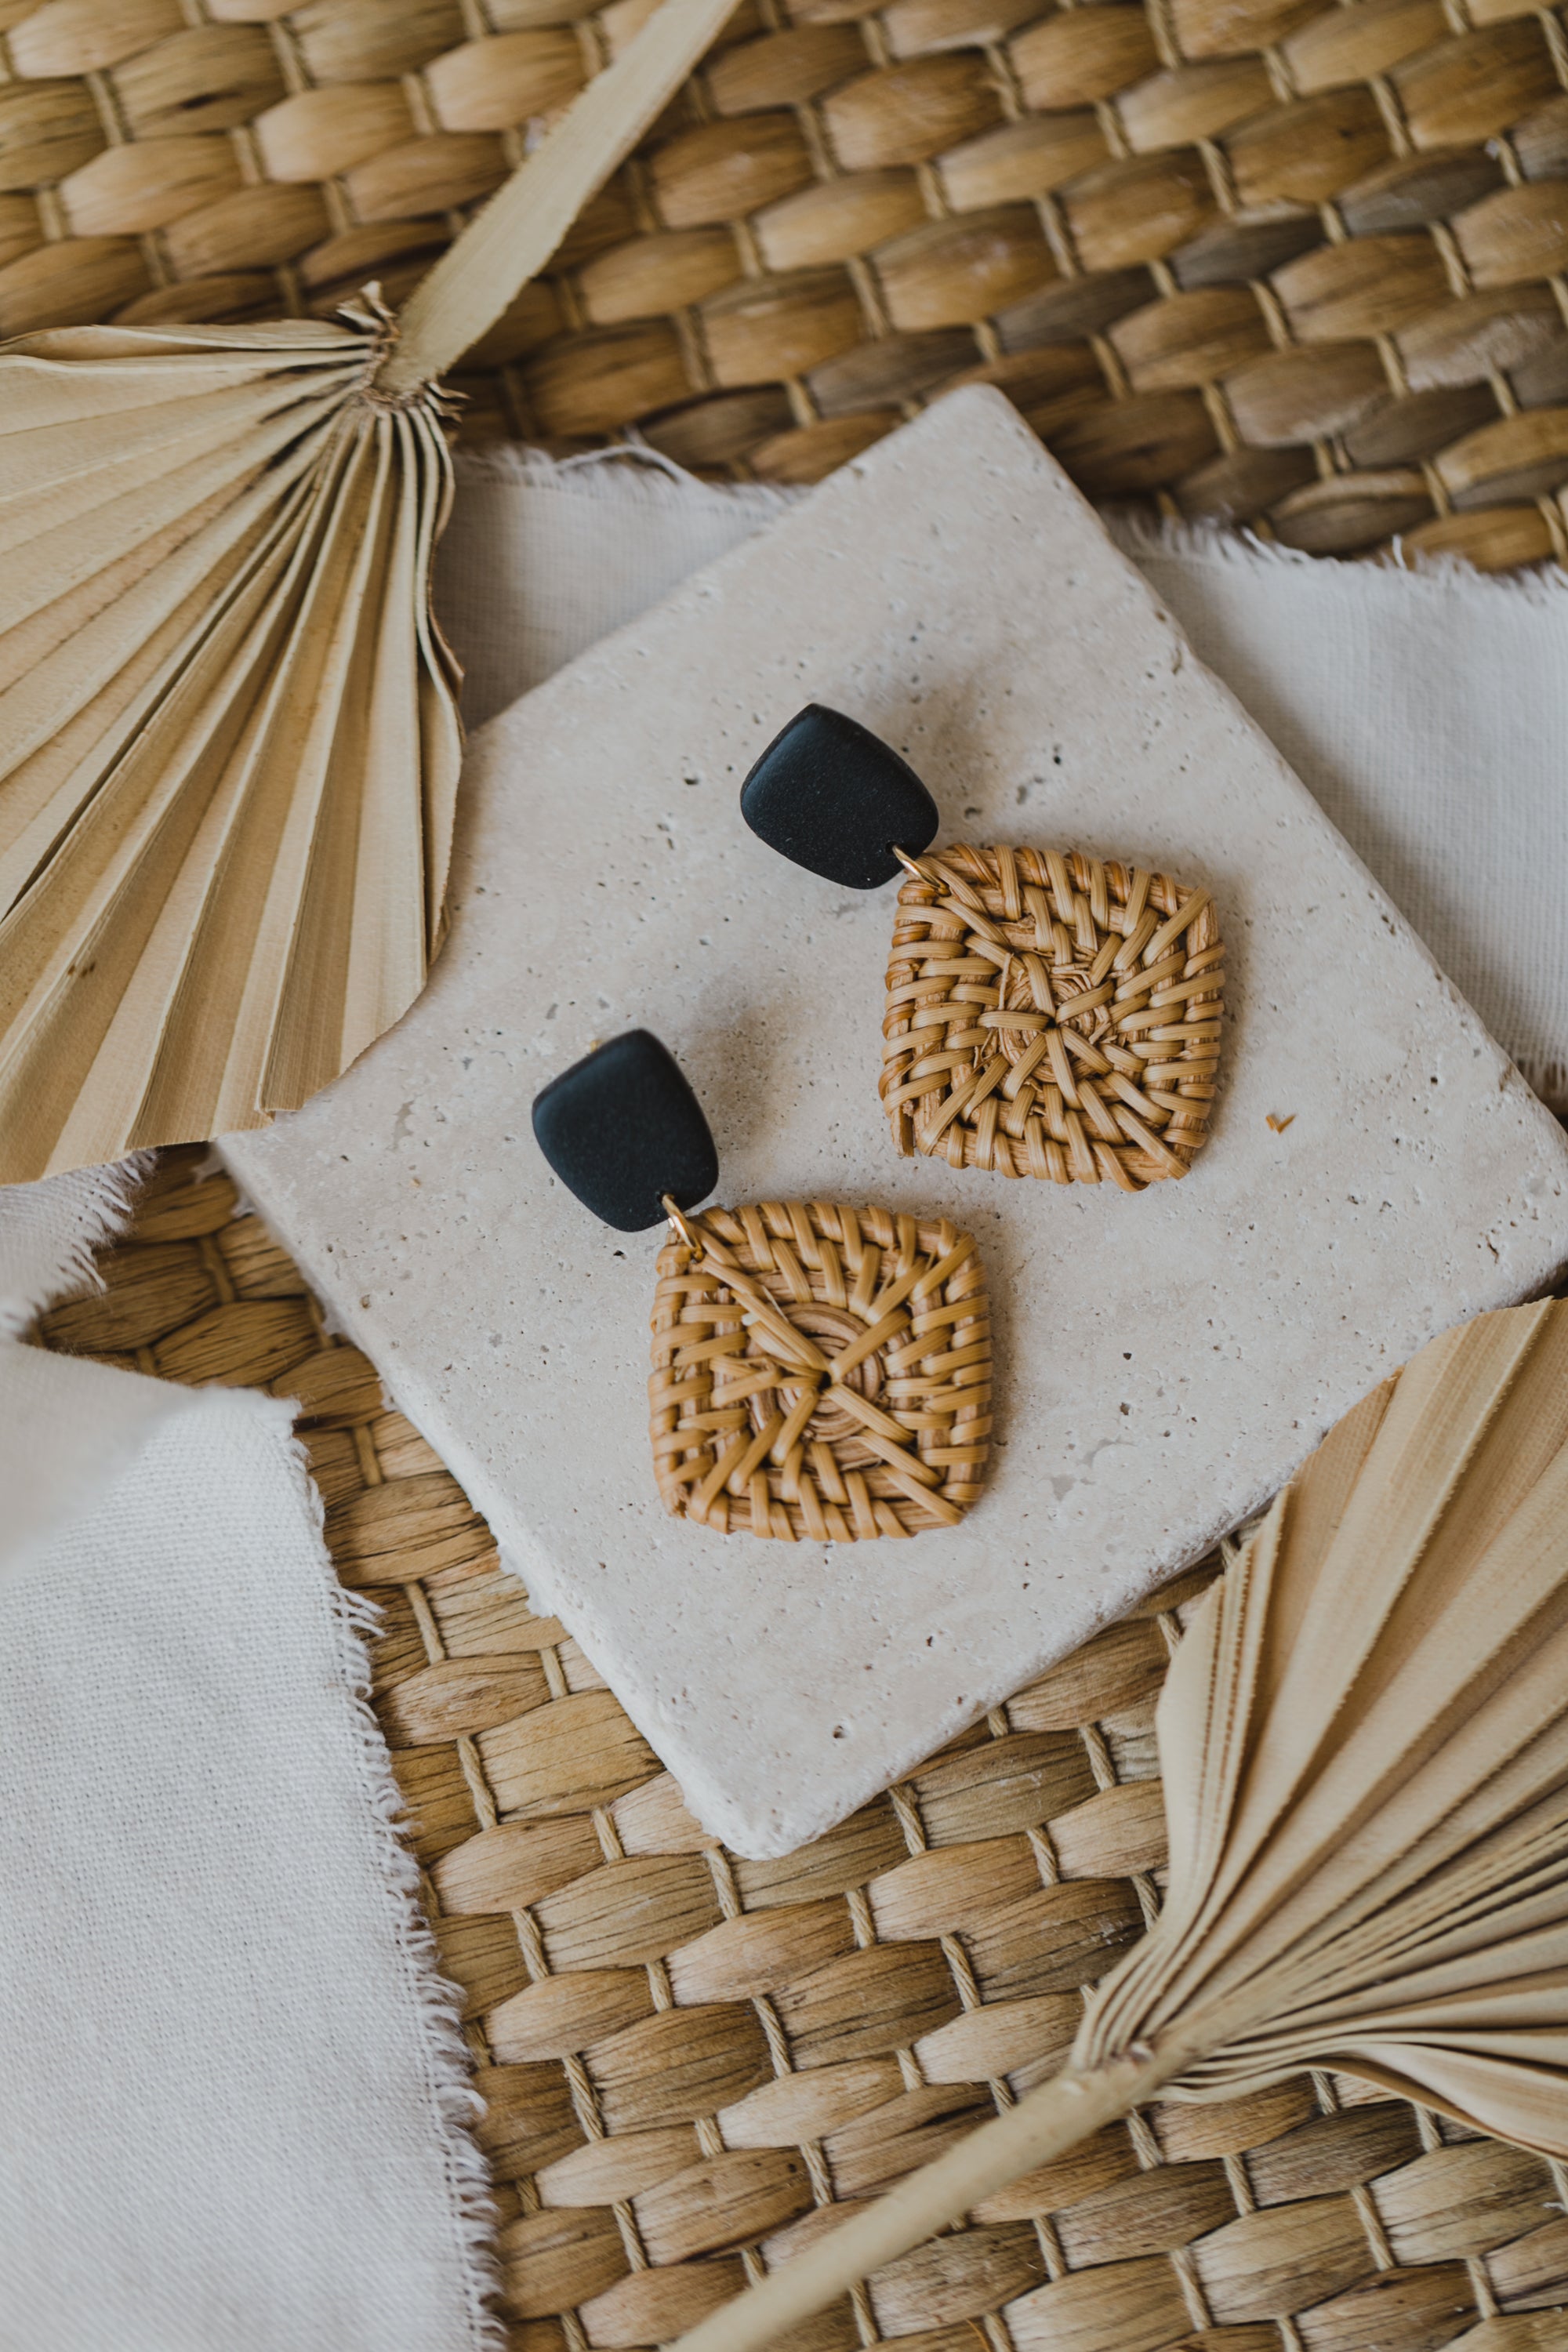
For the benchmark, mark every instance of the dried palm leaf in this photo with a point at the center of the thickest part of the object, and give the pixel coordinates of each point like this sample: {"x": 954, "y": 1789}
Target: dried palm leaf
{"x": 1365, "y": 1741}
{"x": 228, "y": 730}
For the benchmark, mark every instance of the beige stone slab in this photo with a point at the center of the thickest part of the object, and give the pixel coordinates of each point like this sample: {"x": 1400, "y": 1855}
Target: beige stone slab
{"x": 1163, "y": 1362}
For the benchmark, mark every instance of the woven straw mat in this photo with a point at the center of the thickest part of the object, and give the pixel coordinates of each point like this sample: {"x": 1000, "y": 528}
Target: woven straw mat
{"x": 1260, "y": 260}
{"x": 692, "y": 2061}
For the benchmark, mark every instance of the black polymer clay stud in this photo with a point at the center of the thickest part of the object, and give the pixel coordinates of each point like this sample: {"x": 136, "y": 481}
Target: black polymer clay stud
{"x": 820, "y": 1373}
{"x": 623, "y": 1132}
{"x": 1048, "y": 1015}
{"x": 833, "y": 797}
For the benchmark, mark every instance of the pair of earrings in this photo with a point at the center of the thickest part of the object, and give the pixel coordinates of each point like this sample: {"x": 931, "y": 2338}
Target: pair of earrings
{"x": 823, "y": 1372}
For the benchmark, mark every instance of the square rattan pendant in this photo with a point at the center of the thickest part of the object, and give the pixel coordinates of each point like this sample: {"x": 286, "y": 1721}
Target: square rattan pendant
{"x": 1050, "y": 1014}
{"x": 820, "y": 1373}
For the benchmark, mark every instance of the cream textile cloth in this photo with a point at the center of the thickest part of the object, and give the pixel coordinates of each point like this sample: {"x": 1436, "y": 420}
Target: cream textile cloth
{"x": 1428, "y": 711}
{"x": 233, "y": 2111}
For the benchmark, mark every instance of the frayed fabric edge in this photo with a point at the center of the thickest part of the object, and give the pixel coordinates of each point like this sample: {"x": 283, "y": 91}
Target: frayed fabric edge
{"x": 456, "y": 2106}
{"x": 1144, "y": 538}
{"x": 630, "y": 471}
{"x": 108, "y": 1196}
{"x": 633, "y": 469}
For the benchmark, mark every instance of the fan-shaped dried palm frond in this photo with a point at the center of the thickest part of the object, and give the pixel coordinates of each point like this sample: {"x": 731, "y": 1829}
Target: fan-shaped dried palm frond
{"x": 1365, "y": 1741}
{"x": 228, "y": 731}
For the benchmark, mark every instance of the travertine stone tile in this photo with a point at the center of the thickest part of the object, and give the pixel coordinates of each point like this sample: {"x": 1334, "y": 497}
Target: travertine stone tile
{"x": 1162, "y": 1362}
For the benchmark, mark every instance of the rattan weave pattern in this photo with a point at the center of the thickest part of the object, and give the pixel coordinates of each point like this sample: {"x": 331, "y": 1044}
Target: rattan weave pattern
{"x": 1052, "y": 1016}
{"x": 820, "y": 1373}
{"x": 1260, "y": 259}
{"x": 692, "y": 2060}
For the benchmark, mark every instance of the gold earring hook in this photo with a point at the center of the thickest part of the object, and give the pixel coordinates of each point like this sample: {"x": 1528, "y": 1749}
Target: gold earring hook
{"x": 911, "y": 866}
{"x": 679, "y": 1222}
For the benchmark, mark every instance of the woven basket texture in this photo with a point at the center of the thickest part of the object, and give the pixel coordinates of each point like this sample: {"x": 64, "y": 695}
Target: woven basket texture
{"x": 1262, "y": 260}
{"x": 692, "y": 2060}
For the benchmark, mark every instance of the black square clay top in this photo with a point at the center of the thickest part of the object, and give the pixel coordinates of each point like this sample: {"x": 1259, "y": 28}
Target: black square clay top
{"x": 621, "y": 1128}
{"x": 836, "y": 799}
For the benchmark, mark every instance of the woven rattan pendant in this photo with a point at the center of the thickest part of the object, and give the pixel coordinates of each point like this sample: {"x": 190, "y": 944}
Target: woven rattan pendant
{"x": 1364, "y": 1743}
{"x": 1048, "y": 1013}
{"x": 820, "y": 1373}
{"x": 228, "y": 731}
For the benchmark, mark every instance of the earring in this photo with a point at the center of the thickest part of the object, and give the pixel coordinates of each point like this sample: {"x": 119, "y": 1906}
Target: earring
{"x": 1048, "y": 1013}
{"x": 820, "y": 1373}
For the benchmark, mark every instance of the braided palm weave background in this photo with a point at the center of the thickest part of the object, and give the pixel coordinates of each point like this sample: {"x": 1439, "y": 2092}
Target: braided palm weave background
{"x": 1259, "y": 259}
{"x": 692, "y": 2060}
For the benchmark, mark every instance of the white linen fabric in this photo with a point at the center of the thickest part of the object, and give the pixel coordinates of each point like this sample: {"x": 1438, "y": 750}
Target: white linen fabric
{"x": 1428, "y": 711}
{"x": 234, "y": 2099}
{"x": 540, "y": 560}
{"x": 66, "y": 1431}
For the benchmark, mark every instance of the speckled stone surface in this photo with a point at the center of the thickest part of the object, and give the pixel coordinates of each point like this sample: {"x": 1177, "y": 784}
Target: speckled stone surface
{"x": 1163, "y": 1362}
